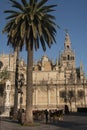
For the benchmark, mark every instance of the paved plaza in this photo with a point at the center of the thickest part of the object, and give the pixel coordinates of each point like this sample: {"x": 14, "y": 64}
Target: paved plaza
{"x": 75, "y": 121}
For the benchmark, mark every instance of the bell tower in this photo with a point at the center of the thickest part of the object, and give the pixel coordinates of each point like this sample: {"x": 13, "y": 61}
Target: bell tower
{"x": 67, "y": 57}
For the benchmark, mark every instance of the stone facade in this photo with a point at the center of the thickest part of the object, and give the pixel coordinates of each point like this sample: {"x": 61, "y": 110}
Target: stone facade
{"x": 54, "y": 84}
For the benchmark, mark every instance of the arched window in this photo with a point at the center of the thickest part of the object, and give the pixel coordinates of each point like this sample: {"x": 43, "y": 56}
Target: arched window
{"x": 67, "y": 46}
{"x": 68, "y": 57}
{"x": 8, "y": 87}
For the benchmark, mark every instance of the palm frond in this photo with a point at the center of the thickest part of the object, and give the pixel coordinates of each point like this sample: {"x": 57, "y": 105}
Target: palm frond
{"x": 23, "y": 25}
{"x": 41, "y": 3}
{"x": 49, "y": 16}
{"x": 10, "y": 11}
{"x": 8, "y": 26}
{"x": 17, "y": 5}
{"x": 43, "y": 43}
{"x": 39, "y": 29}
{"x": 18, "y": 18}
{"x": 24, "y": 2}
{"x": 46, "y": 9}
{"x": 36, "y": 43}
{"x": 32, "y": 2}
{"x": 12, "y": 16}
{"x": 34, "y": 30}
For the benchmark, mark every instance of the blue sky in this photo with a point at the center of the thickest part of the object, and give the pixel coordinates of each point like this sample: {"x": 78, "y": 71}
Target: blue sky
{"x": 71, "y": 15}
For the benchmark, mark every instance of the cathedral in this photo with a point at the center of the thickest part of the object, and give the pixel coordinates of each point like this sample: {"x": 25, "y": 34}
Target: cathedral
{"x": 54, "y": 84}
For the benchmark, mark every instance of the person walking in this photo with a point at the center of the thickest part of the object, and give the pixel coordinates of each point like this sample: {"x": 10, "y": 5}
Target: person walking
{"x": 46, "y": 115}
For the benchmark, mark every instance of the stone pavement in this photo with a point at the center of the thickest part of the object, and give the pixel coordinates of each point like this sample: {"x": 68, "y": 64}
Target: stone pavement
{"x": 76, "y": 121}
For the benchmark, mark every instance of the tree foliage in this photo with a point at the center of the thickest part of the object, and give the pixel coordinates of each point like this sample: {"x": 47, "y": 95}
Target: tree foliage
{"x": 31, "y": 23}
{"x": 4, "y": 74}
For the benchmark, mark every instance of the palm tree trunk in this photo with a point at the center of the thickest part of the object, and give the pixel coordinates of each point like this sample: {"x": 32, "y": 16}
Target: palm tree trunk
{"x": 29, "y": 88}
{"x": 16, "y": 82}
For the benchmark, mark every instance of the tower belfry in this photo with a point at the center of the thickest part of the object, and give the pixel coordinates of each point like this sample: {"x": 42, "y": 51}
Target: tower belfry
{"x": 67, "y": 58}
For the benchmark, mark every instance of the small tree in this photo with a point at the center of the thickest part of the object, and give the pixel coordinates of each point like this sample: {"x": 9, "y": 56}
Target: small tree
{"x": 4, "y": 74}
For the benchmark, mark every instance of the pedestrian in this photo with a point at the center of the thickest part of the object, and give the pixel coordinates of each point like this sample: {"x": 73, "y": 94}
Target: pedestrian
{"x": 66, "y": 109}
{"x": 46, "y": 115}
{"x": 23, "y": 117}
{"x": 19, "y": 115}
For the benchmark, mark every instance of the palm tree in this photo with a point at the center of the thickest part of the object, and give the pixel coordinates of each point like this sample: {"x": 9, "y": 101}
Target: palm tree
{"x": 30, "y": 23}
{"x": 16, "y": 81}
